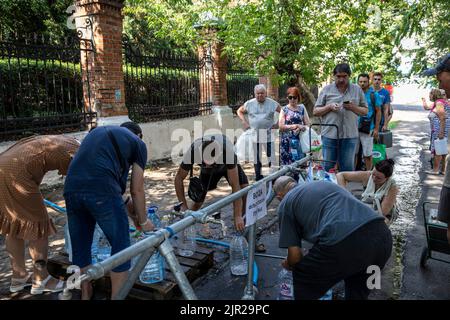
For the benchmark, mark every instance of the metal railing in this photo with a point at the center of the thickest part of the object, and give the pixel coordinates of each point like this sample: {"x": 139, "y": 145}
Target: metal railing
{"x": 157, "y": 241}
{"x": 166, "y": 84}
{"x": 41, "y": 85}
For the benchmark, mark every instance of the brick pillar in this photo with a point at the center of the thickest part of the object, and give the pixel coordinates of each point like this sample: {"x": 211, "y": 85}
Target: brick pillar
{"x": 271, "y": 85}
{"x": 217, "y": 77}
{"x": 104, "y": 66}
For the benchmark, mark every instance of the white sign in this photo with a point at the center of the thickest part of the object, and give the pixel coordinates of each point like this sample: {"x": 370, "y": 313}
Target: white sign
{"x": 256, "y": 205}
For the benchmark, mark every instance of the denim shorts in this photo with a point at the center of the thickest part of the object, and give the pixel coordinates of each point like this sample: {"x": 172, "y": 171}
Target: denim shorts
{"x": 86, "y": 209}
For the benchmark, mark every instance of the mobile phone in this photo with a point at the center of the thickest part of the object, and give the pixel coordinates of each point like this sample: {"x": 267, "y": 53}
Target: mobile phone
{"x": 346, "y": 102}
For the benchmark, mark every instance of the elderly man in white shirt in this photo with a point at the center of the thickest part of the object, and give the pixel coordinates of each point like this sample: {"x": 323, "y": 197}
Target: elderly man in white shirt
{"x": 260, "y": 111}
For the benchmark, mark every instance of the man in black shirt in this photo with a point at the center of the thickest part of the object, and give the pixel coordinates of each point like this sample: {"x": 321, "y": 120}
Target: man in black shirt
{"x": 216, "y": 157}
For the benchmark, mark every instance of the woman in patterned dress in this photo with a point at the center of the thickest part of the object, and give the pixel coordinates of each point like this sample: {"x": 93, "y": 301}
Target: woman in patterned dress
{"x": 23, "y": 216}
{"x": 293, "y": 119}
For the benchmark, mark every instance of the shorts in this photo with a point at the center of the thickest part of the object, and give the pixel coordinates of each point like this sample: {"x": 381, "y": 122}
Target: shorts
{"x": 210, "y": 181}
{"x": 367, "y": 144}
{"x": 444, "y": 205}
{"x": 84, "y": 210}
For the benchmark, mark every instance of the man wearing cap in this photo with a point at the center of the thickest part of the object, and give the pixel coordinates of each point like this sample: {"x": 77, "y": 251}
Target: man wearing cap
{"x": 348, "y": 237}
{"x": 442, "y": 73}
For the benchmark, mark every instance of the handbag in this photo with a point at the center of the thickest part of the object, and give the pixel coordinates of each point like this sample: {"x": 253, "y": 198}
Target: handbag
{"x": 364, "y": 123}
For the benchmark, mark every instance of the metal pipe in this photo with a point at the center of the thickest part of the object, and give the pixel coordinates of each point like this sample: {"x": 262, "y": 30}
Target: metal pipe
{"x": 133, "y": 275}
{"x": 269, "y": 256}
{"x": 166, "y": 251}
{"x": 98, "y": 270}
{"x": 201, "y": 214}
{"x": 251, "y": 257}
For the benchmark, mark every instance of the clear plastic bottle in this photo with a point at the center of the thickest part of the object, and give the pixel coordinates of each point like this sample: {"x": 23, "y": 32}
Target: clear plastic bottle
{"x": 320, "y": 173}
{"x": 239, "y": 255}
{"x": 188, "y": 245}
{"x": 286, "y": 285}
{"x": 101, "y": 249}
{"x": 152, "y": 214}
{"x": 154, "y": 269}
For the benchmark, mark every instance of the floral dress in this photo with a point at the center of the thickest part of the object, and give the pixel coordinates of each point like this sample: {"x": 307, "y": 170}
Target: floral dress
{"x": 435, "y": 123}
{"x": 290, "y": 117}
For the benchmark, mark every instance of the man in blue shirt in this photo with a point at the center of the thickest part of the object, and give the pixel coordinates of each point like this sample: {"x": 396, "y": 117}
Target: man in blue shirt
{"x": 348, "y": 237}
{"x": 368, "y": 125}
{"x": 95, "y": 183}
{"x": 386, "y": 110}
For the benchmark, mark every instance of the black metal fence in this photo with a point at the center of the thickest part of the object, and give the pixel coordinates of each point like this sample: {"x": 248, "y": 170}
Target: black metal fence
{"x": 240, "y": 85}
{"x": 166, "y": 84}
{"x": 41, "y": 88}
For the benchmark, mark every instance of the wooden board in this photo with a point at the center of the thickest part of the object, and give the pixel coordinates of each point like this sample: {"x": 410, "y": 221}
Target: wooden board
{"x": 193, "y": 267}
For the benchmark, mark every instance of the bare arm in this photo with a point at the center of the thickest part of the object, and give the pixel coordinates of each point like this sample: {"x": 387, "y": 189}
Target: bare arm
{"x": 233, "y": 179}
{"x": 377, "y": 123}
{"x": 138, "y": 196}
{"x": 295, "y": 254}
{"x": 240, "y": 112}
{"x": 389, "y": 200}
{"x": 306, "y": 119}
{"x": 440, "y": 112}
{"x": 352, "y": 176}
{"x": 386, "y": 116}
{"x": 179, "y": 187}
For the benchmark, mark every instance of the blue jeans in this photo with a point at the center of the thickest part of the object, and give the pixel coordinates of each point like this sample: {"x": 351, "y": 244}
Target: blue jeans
{"x": 341, "y": 151}
{"x": 86, "y": 209}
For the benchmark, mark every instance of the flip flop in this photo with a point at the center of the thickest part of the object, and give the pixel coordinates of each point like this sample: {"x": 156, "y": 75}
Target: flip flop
{"x": 21, "y": 283}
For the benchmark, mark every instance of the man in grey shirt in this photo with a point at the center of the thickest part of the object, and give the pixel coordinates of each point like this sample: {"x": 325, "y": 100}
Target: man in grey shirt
{"x": 260, "y": 111}
{"x": 339, "y": 105}
{"x": 347, "y": 238}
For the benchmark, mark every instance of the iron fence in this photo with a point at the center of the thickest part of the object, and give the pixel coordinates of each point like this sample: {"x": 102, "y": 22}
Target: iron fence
{"x": 41, "y": 88}
{"x": 166, "y": 84}
{"x": 240, "y": 85}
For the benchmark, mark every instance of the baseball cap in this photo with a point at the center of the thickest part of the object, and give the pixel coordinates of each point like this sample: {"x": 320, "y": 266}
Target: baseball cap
{"x": 442, "y": 65}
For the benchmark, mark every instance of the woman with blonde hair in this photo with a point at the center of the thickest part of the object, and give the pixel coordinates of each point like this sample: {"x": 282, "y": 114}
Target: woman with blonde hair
{"x": 23, "y": 215}
{"x": 440, "y": 123}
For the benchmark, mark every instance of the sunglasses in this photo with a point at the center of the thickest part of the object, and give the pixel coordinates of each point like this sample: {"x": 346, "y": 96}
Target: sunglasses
{"x": 292, "y": 97}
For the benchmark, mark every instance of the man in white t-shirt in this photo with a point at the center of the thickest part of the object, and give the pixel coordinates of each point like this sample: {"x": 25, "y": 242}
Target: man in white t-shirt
{"x": 260, "y": 111}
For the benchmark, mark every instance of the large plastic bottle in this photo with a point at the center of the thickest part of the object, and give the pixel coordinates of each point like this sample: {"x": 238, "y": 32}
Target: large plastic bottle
{"x": 154, "y": 269}
{"x": 239, "y": 255}
{"x": 295, "y": 146}
{"x": 286, "y": 285}
{"x": 101, "y": 249}
{"x": 188, "y": 245}
{"x": 320, "y": 173}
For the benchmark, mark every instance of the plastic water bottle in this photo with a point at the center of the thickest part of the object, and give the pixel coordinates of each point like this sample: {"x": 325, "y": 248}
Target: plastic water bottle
{"x": 152, "y": 215}
{"x": 154, "y": 269}
{"x": 239, "y": 255}
{"x": 286, "y": 285}
{"x": 328, "y": 295}
{"x": 101, "y": 249}
{"x": 188, "y": 245}
{"x": 294, "y": 144}
{"x": 67, "y": 241}
{"x": 320, "y": 173}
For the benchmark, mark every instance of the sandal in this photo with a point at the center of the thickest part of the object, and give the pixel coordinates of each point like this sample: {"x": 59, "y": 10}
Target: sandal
{"x": 39, "y": 287}
{"x": 18, "y": 284}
